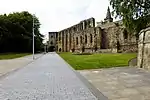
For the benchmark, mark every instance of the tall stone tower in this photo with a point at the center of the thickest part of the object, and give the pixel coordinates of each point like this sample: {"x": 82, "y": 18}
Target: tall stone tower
{"x": 108, "y": 16}
{"x": 52, "y": 44}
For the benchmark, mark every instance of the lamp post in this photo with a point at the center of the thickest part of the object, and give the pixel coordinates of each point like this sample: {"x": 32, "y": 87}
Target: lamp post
{"x": 33, "y": 36}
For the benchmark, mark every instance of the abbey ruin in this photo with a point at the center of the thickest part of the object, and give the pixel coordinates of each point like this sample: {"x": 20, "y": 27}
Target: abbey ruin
{"x": 86, "y": 36}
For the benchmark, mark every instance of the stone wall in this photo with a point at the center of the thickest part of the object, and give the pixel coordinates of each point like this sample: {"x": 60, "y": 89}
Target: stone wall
{"x": 74, "y": 36}
{"x": 52, "y": 39}
{"x": 144, "y": 49}
{"x": 128, "y": 48}
{"x": 118, "y": 38}
{"x": 107, "y": 36}
{"x": 85, "y": 37}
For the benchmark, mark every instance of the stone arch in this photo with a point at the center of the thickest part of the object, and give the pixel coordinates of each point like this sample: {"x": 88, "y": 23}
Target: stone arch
{"x": 59, "y": 49}
{"x": 51, "y": 49}
{"x": 104, "y": 40}
{"x": 89, "y": 24}
{"x": 80, "y": 39}
{"x": 51, "y": 36}
{"x": 85, "y": 39}
{"x": 91, "y": 38}
{"x": 51, "y": 43}
{"x": 125, "y": 34}
{"x": 77, "y": 41}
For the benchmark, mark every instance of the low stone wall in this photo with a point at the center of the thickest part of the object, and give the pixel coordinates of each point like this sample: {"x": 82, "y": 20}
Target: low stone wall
{"x": 129, "y": 48}
{"x": 89, "y": 50}
{"x": 123, "y": 49}
{"x": 104, "y": 51}
{"x": 86, "y": 50}
{"x": 144, "y": 49}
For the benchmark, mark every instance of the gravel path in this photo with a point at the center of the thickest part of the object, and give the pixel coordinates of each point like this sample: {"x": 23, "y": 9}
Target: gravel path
{"x": 47, "y": 78}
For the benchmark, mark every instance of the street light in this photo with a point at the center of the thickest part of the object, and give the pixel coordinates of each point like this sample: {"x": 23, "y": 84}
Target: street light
{"x": 33, "y": 35}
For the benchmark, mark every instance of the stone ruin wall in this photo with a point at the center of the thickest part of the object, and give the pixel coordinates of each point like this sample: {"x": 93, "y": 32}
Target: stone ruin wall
{"x": 144, "y": 49}
{"x": 52, "y": 39}
{"x": 116, "y": 40}
{"x": 67, "y": 39}
{"x": 104, "y": 37}
{"x": 126, "y": 40}
{"x": 90, "y": 40}
{"x": 107, "y": 36}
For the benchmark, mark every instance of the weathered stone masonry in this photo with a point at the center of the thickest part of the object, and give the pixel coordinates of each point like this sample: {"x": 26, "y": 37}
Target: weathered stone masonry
{"x": 144, "y": 49}
{"x": 107, "y": 36}
{"x": 78, "y": 36}
{"x": 52, "y": 43}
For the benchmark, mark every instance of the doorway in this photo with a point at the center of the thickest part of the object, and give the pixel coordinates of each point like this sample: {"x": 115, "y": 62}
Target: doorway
{"x": 51, "y": 49}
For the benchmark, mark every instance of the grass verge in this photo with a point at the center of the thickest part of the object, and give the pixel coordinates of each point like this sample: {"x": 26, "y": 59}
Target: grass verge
{"x": 81, "y": 62}
{"x": 12, "y": 55}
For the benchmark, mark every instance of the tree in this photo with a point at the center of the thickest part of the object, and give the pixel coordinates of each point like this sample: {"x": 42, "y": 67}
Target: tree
{"x": 134, "y": 13}
{"x": 16, "y": 32}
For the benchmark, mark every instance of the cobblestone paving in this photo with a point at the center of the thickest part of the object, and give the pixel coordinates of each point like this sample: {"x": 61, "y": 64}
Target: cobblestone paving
{"x": 48, "y": 78}
{"x": 121, "y": 83}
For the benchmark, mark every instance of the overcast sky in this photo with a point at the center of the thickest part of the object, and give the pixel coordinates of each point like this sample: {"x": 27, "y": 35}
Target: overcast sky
{"x": 56, "y": 15}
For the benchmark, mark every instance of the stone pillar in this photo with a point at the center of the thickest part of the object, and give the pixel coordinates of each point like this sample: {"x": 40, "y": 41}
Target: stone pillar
{"x": 77, "y": 27}
{"x": 83, "y": 25}
{"x": 65, "y": 42}
{"x": 72, "y": 39}
{"x": 69, "y": 42}
{"x": 92, "y": 22}
{"x": 58, "y": 41}
{"x": 88, "y": 40}
{"x": 144, "y": 49}
{"x": 62, "y": 41}
{"x": 98, "y": 34}
{"x": 76, "y": 41}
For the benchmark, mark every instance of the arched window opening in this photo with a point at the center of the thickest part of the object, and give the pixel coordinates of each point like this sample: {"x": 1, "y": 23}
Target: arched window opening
{"x": 85, "y": 25}
{"x": 76, "y": 40}
{"x": 59, "y": 38}
{"x": 51, "y": 43}
{"x": 125, "y": 33}
{"x": 74, "y": 29}
{"x": 89, "y": 24}
{"x": 59, "y": 49}
{"x": 81, "y": 39}
{"x": 86, "y": 39}
{"x": 66, "y": 38}
{"x": 91, "y": 38}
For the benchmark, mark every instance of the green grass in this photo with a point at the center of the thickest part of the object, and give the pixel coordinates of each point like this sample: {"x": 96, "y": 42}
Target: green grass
{"x": 80, "y": 62}
{"x": 12, "y": 55}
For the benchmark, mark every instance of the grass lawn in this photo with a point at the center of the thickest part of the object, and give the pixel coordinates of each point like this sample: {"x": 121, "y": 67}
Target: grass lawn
{"x": 12, "y": 55}
{"x": 80, "y": 62}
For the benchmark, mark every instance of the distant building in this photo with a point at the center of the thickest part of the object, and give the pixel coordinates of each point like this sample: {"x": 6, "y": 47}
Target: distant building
{"x": 107, "y": 36}
{"x": 52, "y": 43}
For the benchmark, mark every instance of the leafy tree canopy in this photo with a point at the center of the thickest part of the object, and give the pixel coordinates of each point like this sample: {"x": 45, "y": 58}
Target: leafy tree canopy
{"x": 134, "y": 13}
{"x": 16, "y": 32}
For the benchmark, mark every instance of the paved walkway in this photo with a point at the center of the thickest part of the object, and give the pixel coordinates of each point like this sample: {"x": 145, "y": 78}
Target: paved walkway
{"x": 48, "y": 78}
{"x": 10, "y": 65}
{"x": 121, "y": 83}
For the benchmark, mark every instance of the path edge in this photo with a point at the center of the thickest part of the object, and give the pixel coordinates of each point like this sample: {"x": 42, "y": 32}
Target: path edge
{"x": 17, "y": 69}
{"x": 89, "y": 85}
